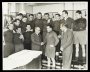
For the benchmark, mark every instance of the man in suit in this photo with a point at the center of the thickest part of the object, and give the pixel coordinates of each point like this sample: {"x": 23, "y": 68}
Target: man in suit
{"x": 36, "y": 40}
{"x": 39, "y": 22}
{"x": 66, "y": 46}
{"x": 8, "y": 40}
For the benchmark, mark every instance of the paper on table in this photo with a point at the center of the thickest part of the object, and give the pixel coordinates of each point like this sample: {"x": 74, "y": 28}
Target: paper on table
{"x": 20, "y": 59}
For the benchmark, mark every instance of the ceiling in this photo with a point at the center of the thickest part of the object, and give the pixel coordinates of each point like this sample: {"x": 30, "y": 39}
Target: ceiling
{"x": 39, "y": 4}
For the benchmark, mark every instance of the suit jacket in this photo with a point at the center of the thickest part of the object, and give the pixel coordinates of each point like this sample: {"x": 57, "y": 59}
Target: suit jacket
{"x": 67, "y": 39}
{"x": 23, "y": 27}
{"x": 69, "y": 22}
{"x": 36, "y": 42}
{"x": 17, "y": 40}
{"x": 9, "y": 45}
{"x": 67, "y": 44}
{"x": 8, "y": 36}
{"x": 27, "y": 37}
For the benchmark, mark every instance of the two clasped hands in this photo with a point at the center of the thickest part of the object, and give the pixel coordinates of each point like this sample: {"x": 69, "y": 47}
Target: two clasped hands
{"x": 42, "y": 43}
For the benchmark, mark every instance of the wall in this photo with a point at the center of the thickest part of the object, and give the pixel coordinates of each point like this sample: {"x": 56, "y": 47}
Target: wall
{"x": 28, "y": 9}
{"x": 70, "y": 6}
{"x": 24, "y": 7}
{"x": 81, "y": 6}
{"x": 48, "y": 8}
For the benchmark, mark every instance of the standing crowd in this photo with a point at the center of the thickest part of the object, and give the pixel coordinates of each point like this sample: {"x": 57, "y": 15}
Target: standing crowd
{"x": 46, "y": 35}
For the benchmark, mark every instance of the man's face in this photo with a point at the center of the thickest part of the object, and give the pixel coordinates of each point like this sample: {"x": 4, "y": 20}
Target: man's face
{"x": 39, "y": 16}
{"x": 28, "y": 27}
{"x": 46, "y": 17}
{"x": 62, "y": 27}
{"x": 11, "y": 27}
{"x": 63, "y": 14}
{"x": 57, "y": 17}
{"x": 17, "y": 22}
{"x": 24, "y": 19}
{"x": 78, "y": 15}
{"x": 31, "y": 18}
{"x": 20, "y": 17}
{"x": 61, "y": 17}
{"x": 18, "y": 30}
{"x": 49, "y": 29}
{"x": 37, "y": 30}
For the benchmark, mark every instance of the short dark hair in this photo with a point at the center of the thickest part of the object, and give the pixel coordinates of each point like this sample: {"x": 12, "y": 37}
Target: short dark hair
{"x": 31, "y": 15}
{"x": 58, "y": 15}
{"x": 50, "y": 26}
{"x": 16, "y": 20}
{"x": 39, "y": 13}
{"x": 66, "y": 12}
{"x": 18, "y": 27}
{"x": 24, "y": 16}
{"x": 20, "y": 14}
{"x": 63, "y": 24}
{"x": 79, "y": 12}
{"x": 46, "y": 14}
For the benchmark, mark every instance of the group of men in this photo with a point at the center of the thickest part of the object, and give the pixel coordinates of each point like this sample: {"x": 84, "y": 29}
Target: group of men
{"x": 47, "y": 36}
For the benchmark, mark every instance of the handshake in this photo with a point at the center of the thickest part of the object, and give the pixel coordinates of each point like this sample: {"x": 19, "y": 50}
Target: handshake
{"x": 42, "y": 43}
{"x": 59, "y": 36}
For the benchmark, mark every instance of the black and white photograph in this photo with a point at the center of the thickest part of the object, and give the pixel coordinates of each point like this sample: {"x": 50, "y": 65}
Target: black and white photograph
{"x": 45, "y": 35}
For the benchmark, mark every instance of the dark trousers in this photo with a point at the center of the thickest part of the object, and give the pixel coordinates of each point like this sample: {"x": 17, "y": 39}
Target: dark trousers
{"x": 8, "y": 49}
{"x": 19, "y": 47}
{"x": 27, "y": 46}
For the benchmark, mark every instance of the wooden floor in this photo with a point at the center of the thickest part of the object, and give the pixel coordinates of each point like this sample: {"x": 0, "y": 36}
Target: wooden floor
{"x": 76, "y": 64}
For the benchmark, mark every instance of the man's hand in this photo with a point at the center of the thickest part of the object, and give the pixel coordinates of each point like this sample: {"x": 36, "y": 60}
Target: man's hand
{"x": 42, "y": 43}
{"x": 14, "y": 31}
{"x": 51, "y": 45}
{"x": 31, "y": 30}
{"x": 48, "y": 21}
{"x": 59, "y": 36}
{"x": 61, "y": 48}
{"x": 21, "y": 37}
{"x": 57, "y": 53}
